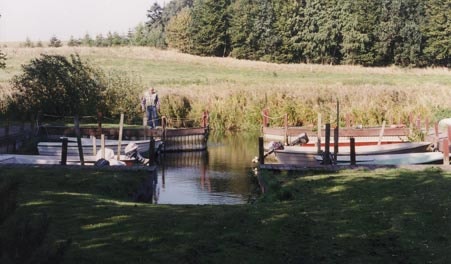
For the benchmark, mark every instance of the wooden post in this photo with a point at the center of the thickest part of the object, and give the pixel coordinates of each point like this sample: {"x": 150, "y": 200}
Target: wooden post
{"x": 336, "y": 132}
{"x": 204, "y": 119}
{"x": 102, "y": 145}
{"x": 286, "y": 128}
{"x": 352, "y": 141}
{"x": 446, "y": 151}
{"x": 261, "y": 150}
{"x": 335, "y": 143}
{"x": 99, "y": 123}
{"x": 318, "y": 139}
{"x": 80, "y": 146}
{"x": 151, "y": 151}
{"x": 436, "y": 136}
{"x": 94, "y": 145}
{"x": 64, "y": 151}
{"x": 119, "y": 141}
{"x": 381, "y": 134}
{"x": 265, "y": 117}
{"x": 327, "y": 160}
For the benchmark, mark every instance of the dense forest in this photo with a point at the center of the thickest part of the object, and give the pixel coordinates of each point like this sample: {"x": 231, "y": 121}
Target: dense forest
{"x": 409, "y": 33}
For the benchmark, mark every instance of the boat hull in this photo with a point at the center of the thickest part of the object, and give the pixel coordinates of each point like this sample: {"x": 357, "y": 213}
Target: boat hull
{"x": 55, "y": 148}
{"x": 299, "y": 155}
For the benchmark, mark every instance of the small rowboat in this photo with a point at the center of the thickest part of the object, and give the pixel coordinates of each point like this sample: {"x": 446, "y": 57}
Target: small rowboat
{"x": 55, "y": 148}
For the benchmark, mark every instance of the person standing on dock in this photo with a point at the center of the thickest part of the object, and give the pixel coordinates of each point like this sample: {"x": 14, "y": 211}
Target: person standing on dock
{"x": 150, "y": 103}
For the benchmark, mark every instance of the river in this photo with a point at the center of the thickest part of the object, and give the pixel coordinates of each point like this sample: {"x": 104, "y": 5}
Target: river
{"x": 220, "y": 175}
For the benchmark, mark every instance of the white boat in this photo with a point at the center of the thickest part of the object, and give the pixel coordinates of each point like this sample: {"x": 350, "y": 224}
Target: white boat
{"x": 301, "y": 155}
{"x": 55, "y": 148}
{"x": 41, "y": 159}
{"x": 392, "y": 159}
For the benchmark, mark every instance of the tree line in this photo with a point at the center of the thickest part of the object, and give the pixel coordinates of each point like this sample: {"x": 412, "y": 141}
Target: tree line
{"x": 408, "y": 33}
{"x": 359, "y": 32}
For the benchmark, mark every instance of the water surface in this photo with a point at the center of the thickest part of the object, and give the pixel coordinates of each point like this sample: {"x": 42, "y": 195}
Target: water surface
{"x": 220, "y": 175}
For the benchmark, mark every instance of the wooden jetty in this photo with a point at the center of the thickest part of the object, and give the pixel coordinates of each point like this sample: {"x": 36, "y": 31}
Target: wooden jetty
{"x": 349, "y": 136}
{"x": 175, "y": 139}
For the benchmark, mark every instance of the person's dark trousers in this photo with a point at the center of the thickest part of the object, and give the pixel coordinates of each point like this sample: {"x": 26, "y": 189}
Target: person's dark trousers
{"x": 152, "y": 116}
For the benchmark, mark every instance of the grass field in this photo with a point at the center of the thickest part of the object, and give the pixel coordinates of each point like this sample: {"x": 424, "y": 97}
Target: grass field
{"x": 87, "y": 216}
{"x": 370, "y": 95}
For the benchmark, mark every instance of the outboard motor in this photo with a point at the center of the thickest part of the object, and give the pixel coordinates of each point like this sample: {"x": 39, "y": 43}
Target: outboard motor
{"x": 131, "y": 151}
{"x": 301, "y": 139}
{"x": 274, "y": 145}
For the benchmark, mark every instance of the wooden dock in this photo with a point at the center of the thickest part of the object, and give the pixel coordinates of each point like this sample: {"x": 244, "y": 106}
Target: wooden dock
{"x": 337, "y": 168}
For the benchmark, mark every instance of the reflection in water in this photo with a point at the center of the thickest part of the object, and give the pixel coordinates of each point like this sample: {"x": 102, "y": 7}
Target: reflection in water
{"x": 149, "y": 191}
{"x": 221, "y": 175}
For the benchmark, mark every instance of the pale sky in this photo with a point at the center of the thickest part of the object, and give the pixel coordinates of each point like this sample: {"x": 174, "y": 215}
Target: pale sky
{"x": 42, "y": 19}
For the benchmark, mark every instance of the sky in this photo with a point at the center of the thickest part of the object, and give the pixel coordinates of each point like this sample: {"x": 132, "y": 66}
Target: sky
{"x": 42, "y": 19}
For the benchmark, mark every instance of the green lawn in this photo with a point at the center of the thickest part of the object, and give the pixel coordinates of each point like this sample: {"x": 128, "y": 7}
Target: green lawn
{"x": 88, "y": 216}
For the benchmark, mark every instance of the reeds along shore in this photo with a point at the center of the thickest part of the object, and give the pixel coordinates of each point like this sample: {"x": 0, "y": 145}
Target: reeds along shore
{"x": 235, "y": 91}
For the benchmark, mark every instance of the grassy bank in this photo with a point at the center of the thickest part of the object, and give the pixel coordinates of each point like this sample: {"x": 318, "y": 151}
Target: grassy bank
{"x": 391, "y": 216}
{"x": 229, "y": 87}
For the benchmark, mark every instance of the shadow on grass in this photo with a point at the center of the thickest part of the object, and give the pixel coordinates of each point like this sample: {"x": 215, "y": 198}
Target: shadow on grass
{"x": 392, "y": 216}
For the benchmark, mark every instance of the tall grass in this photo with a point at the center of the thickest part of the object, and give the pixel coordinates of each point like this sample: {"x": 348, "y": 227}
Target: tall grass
{"x": 235, "y": 91}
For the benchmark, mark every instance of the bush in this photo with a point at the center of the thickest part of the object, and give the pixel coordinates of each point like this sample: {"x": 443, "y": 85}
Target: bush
{"x": 54, "y": 84}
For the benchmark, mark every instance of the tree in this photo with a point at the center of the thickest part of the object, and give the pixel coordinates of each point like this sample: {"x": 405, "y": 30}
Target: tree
{"x": 87, "y": 40}
{"x": 2, "y": 60}
{"x": 55, "y": 42}
{"x": 28, "y": 43}
{"x": 209, "y": 25}
{"x": 358, "y": 18}
{"x": 154, "y": 14}
{"x": 156, "y": 26}
{"x": 58, "y": 85}
{"x": 242, "y": 29}
{"x": 73, "y": 42}
{"x": 177, "y": 31}
{"x": 437, "y": 31}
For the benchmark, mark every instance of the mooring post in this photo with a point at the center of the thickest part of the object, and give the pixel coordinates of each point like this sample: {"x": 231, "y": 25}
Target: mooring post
{"x": 352, "y": 141}
{"x": 99, "y": 123}
{"x": 119, "y": 141}
{"x": 78, "y": 134}
{"x": 318, "y": 135}
{"x": 286, "y": 128}
{"x": 261, "y": 150}
{"x": 265, "y": 117}
{"x": 335, "y": 143}
{"x": 327, "y": 160}
{"x": 446, "y": 151}
{"x": 64, "y": 151}
{"x": 446, "y": 148}
{"x": 151, "y": 151}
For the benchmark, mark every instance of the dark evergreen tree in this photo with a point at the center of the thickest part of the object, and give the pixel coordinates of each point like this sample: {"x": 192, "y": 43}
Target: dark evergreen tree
{"x": 287, "y": 15}
{"x": 209, "y": 25}
{"x": 242, "y": 29}
{"x": 265, "y": 36}
{"x": 321, "y": 31}
{"x": 358, "y": 18}
{"x": 437, "y": 31}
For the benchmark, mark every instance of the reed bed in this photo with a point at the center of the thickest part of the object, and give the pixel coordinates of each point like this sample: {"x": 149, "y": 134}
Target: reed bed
{"x": 235, "y": 91}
